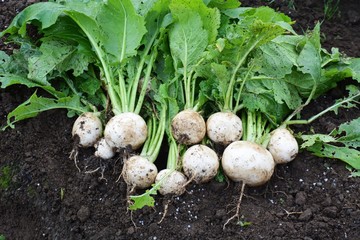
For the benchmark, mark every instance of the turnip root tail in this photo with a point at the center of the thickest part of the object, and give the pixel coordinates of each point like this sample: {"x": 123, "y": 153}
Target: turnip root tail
{"x": 237, "y": 212}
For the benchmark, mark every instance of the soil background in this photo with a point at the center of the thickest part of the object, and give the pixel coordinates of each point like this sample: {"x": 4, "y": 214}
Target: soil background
{"x": 45, "y": 197}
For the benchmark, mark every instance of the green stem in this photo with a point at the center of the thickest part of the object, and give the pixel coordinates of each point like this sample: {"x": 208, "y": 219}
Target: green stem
{"x": 173, "y": 155}
{"x": 331, "y": 108}
{"x": 109, "y": 82}
{"x": 235, "y": 109}
{"x": 229, "y": 93}
{"x": 300, "y": 108}
{"x": 134, "y": 86}
{"x": 122, "y": 92}
{"x": 144, "y": 86}
{"x": 153, "y": 143}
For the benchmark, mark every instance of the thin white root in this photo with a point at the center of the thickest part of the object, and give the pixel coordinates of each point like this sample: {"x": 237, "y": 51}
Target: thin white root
{"x": 73, "y": 156}
{"x": 188, "y": 182}
{"x": 166, "y": 207}
{"x": 237, "y": 213}
{"x": 92, "y": 171}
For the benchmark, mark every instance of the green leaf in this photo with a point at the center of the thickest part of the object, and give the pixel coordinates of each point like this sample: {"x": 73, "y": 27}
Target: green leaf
{"x": 7, "y": 80}
{"x": 54, "y": 53}
{"x": 342, "y": 143}
{"x": 123, "y": 31}
{"x": 276, "y": 59}
{"x": 224, "y": 4}
{"x": 145, "y": 199}
{"x": 35, "y": 105}
{"x": 345, "y": 154}
{"x": 349, "y": 133}
{"x": 45, "y": 12}
{"x": 310, "y": 140}
{"x": 309, "y": 61}
{"x": 188, "y": 38}
{"x": 210, "y": 17}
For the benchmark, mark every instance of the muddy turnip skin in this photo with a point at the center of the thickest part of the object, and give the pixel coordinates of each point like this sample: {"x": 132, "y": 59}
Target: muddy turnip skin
{"x": 248, "y": 162}
{"x": 126, "y": 130}
{"x": 200, "y": 163}
{"x": 173, "y": 184}
{"x": 283, "y": 146}
{"x": 188, "y": 127}
{"x": 138, "y": 172}
{"x": 224, "y": 128}
{"x": 103, "y": 150}
{"x": 88, "y": 128}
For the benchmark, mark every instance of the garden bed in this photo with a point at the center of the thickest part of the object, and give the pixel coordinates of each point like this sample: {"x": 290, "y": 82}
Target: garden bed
{"x": 43, "y": 196}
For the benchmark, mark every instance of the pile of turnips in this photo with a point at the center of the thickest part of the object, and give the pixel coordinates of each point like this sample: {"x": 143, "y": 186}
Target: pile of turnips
{"x": 216, "y": 83}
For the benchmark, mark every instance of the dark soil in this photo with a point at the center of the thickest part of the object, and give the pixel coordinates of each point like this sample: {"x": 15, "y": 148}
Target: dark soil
{"x": 43, "y": 196}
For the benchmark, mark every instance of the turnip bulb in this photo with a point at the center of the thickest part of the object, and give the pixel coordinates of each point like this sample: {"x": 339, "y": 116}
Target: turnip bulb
{"x": 247, "y": 162}
{"x": 138, "y": 172}
{"x": 126, "y": 130}
{"x": 173, "y": 183}
{"x": 224, "y": 128}
{"x": 103, "y": 150}
{"x": 283, "y": 146}
{"x": 188, "y": 127}
{"x": 200, "y": 163}
{"x": 88, "y": 128}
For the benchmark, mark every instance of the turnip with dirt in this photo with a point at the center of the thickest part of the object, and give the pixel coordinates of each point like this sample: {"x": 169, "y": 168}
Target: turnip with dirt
{"x": 248, "y": 162}
{"x": 200, "y": 163}
{"x": 126, "y": 131}
{"x": 103, "y": 150}
{"x": 172, "y": 181}
{"x": 283, "y": 145}
{"x": 224, "y": 128}
{"x": 188, "y": 127}
{"x": 88, "y": 129}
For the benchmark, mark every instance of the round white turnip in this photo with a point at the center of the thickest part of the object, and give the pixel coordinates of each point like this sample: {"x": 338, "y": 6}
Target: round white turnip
{"x": 283, "y": 145}
{"x": 200, "y": 163}
{"x": 126, "y": 130}
{"x": 248, "y": 162}
{"x": 88, "y": 128}
{"x": 188, "y": 127}
{"x": 224, "y": 128}
{"x": 138, "y": 172}
{"x": 103, "y": 149}
{"x": 174, "y": 182}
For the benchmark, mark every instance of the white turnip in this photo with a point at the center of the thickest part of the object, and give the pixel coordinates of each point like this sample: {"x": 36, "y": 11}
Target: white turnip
{"x": 188, "y": 127}
{"x": 126, "y": 130}
{"x": 283, "y": 146}
{"x": 103, "y": 149}
{"x": 248, "y": 162}
{"x": 88, "y": 128}
{"x": 139, "y": 173}
{"x": 200, "y": 163}
{"x": 173, "y": 182}
{"x": 224, "y": 128}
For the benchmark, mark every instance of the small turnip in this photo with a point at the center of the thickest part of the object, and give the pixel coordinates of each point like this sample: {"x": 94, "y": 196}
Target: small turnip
{"x": 138, "y": 172}
{"x": 126, "y": 130}
{"x": 200, "y": 163}
{"x": 283, "y": 146}
{"x": 88, "y": 128}
{"x": 174, "y": 183}
{"x": 248, "y": 162}
{"x": 224, "y": 128}
{"x": 188, "y": 127}
{"x": 103, "y": 150}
